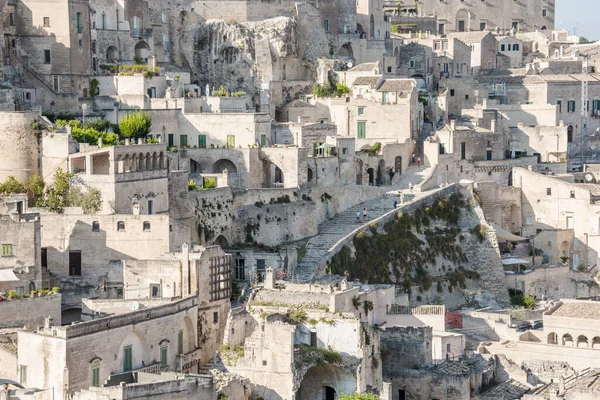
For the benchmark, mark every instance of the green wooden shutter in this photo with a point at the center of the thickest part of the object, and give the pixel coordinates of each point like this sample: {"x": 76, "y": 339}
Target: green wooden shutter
{"x": 96, "y": 376}
{"x": 127, "y": 359}
{"x": 362, "y": 130}
{"x": 202, "y": 141}
{"x": 180, "y": 343}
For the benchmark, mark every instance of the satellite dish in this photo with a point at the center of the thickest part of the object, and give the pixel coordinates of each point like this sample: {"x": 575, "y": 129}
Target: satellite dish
{"x": 134, "y": 306}
{"x": 350, "y": 65}
{"x": 589, "y": 177}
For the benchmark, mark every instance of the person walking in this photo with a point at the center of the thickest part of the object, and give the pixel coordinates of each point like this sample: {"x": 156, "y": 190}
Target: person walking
{"x": 358, "y": 217}
{"x": 413, "y": 157}
{"x": 419, "y": 162}
{"x": 364, "y": 214}
{"x": 5, "y": 392}
{"x": 395, "y": 204}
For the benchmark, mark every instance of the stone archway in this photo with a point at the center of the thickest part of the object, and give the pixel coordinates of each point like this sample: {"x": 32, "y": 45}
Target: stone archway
{"x": 222, "y": 241}
{"x": 310, "y": 175}
{"x": 346, "y": 51}
{"x": 142, "y": 50}
{"x": 112, "y": 54}
{"x": 371, "y": 173}
{"x": 570, "y": 134}
{"x": 224, "y": 164}
{"x": 325, "y": 382}
{"x": 463, "y": 20}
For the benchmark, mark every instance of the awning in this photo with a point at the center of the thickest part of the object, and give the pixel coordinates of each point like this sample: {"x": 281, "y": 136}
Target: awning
{"x": 7, "y": 275}
{"x": 501, "y": 234}
{"x": 514, "y": 261}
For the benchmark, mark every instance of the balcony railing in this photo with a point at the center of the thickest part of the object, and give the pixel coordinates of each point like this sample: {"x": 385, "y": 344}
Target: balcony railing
{"x": 186, "y": 361}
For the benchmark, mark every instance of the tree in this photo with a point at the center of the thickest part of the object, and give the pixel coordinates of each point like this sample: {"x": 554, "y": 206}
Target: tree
{"x": 12, "y": 185}
{"x": 358, "y": 396}
{"x": 135, "y": 125}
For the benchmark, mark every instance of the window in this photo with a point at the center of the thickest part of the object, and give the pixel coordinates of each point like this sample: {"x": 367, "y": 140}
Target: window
{"x": 508, "y": 47}
{"x": 489, "y": 155}
{"x": 44, "y": 258}
{"x": 150, "y": 212}
{"x": 171, "y": 140}
{"x": 515, "y": 26}
{"x": 95, "y": 226}
{"x": 47, "y": 58}
{"x": 361, "y": 111}
{"x": 264, "y": 362}
{"x": 75, "y": 263}
{"x": 571, "y": 106}
{"x": 516, "y": 47}
{"x": 466, "y": 97}
{"x": 23, "y": 375}
{"x": 260, "y": 265}
{"x": 183, "y": 140}
{"x": 441, "y": 29}
{"x": 595, "y": 107}
{"x": 55, "y": 83}
{"x": 146, "y": 226}
{"x": 120, "y": 226}
{"x": 544, "y": 12}
{"x": 411, "y": 64}
{"x": 127, "y": 358}
{"x": 549, "y": 191}
{"x": 528, "y": 220}
{"x": 344, "y": 151}
{"x": 202, "y": 141}
{"x": 263, "y": 140}
{"x": 361, "y": 130}
{"x": 215, "y": 317}
{"x": 164, "y": 17}
{"x": 461, "y": 26}
{"x": 103, "y": 21}
{"x": 80, "y": 42}
{"x": 463, "y": 150}
{"x": 572, "y": 194}
{"x": 502, "y": 47}
{"x": 559, "y": 105}
{"x": 154, "y": 290}
{"x": 451, "y": 92}
{"x": 11, "y": 19}
{"x": 180, "y": 343}
{"x": 326, "y": 25}
{"x": 230, "y": 141}
{"x": 313, "y": 339}
{"x": 79, "y": 27}
{"x": 46, "y": 22}
{"x": 482, "y": 26}
{"x": 6, "y": 250}
{"x": 96, "y": 376}
{"x": 240, "y": 269}
{"x": 163, "y": 356}
{"x": 569, "y": 222}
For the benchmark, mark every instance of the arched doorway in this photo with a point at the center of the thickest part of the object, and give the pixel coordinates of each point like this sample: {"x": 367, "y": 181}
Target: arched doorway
{"x": 552, "y": 338}
{"x": 195, "y": 168}
{"x": 371, "y": 173}
{"x": 222, "y": 165}
{"x": 112, "y": 54}
{"x": 463, "y": 21}
{"x": 222, "y": 241}
{"x": 381, "y": 173}
{"x": 567, "y": 340}
{"x": 510, "y": 178}
{"x": 133, "y": 352}
{"x": 372, "y": 27}
{"x": 346, "y": 51}
{"x": 570, "y": 134}
{"x": 325, "y": 382}
{"x": 310, "y": 175}
{"x": 359, "y": 172}
{"x": 142, "y": 50}
{"x": 398, "y": 165}
{"x": 278, "y": 175}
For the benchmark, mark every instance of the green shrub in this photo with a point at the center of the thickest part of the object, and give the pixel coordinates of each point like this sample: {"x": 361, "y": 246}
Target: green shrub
{"x": 221, "y": 92}
{"x": 136, "y": 124}
{"x": 12, "y": 186}
{"x": 209, "y": 183}
{"x": 94, "y": 87}
{"x": 298, "y": 315}
{"x": 239, "y": 94}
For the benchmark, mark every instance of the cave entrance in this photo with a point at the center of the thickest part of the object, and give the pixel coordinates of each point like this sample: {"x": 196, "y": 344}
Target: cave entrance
{"x": 328, "y": 393}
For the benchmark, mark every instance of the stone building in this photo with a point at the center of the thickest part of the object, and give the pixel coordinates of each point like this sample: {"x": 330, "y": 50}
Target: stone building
{"x": 127, "y": 176}
{"x": 553, "y": 202}
{"x": 513, "y": 49}
{"x": 526, "y": 16}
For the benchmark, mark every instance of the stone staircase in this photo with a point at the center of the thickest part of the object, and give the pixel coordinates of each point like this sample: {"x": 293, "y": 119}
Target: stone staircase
{"x": 338, "y": 227}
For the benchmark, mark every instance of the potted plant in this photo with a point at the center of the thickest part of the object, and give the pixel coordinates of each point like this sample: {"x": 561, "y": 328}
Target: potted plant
{"x": 55, "y": 289}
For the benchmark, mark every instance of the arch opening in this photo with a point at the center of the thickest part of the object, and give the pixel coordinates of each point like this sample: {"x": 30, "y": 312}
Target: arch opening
{"x": 142, "y": 50}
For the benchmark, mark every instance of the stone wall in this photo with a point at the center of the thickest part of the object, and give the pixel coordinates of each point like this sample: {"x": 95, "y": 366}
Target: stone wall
{"x": 30, "y": 312}
{"x": 18, "y": 145}
{"x": 408, "y": 347}
{"x": 501, "y": 205}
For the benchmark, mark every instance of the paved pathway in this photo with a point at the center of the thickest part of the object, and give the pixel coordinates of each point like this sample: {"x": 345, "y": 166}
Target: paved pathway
{"x": 338, "y": 227}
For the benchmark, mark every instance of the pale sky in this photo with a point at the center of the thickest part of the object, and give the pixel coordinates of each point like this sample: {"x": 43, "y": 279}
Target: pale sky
{"x": 581, "y": 15}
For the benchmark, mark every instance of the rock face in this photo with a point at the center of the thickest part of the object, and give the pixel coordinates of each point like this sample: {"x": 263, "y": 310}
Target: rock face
{"x": 242, "y": 56}
{"x": 440, "y": 252}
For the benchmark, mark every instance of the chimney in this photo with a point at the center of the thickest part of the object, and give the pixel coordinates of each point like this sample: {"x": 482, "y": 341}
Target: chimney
{"x": 453, "y": 124}
{"x": 152, "y": 62}
{"x": 269, "y": 278}
{"x": 137, "y": 209}
{"x": 100, "y": 142}
{"x": 48, "y": 322}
